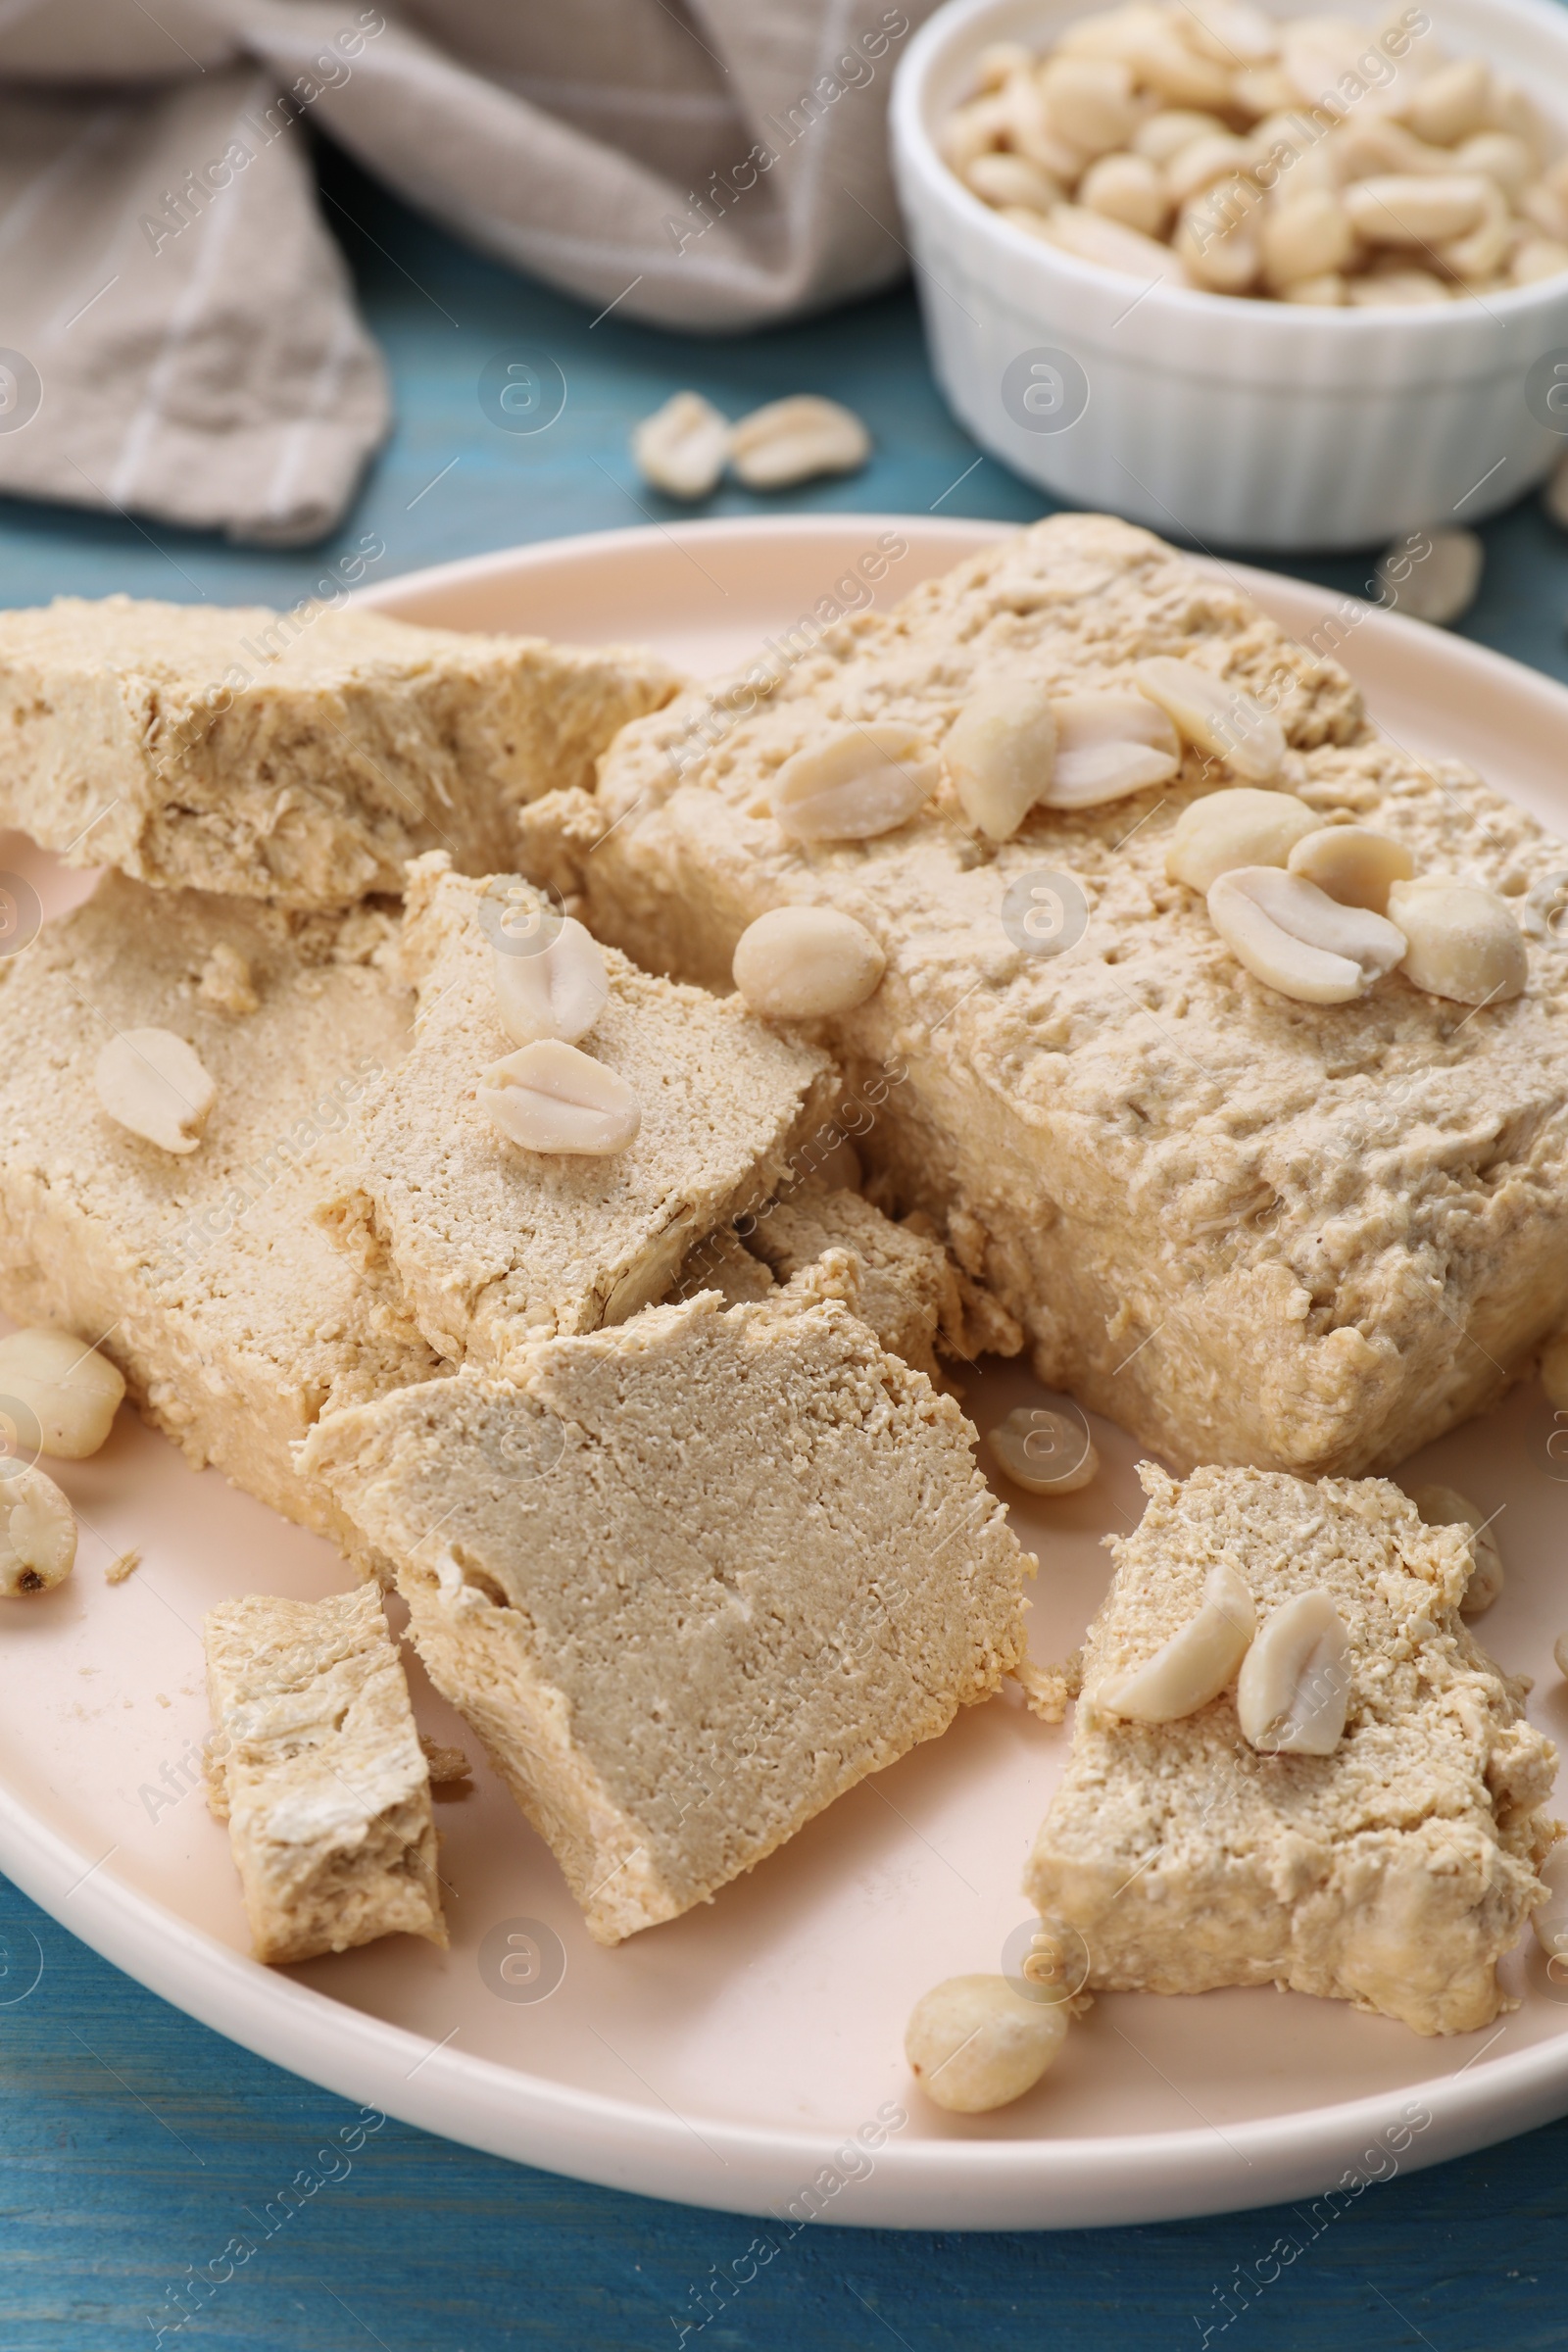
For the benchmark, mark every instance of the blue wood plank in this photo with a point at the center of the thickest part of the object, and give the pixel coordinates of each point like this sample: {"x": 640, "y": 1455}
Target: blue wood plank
{"x": 136, "y": 2144}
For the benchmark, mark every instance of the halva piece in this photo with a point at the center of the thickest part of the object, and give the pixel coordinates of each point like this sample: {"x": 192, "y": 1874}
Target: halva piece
{"x": 203, "y": 1275}
{"x": 1392, "y": 1872}
{"x": 316, "y": 1765}
{"x": 300, "y": 757}
{"x": 497, "y": 1247}
{"x": 689, "y": 1579}
{"x": 1309, "y": 1237}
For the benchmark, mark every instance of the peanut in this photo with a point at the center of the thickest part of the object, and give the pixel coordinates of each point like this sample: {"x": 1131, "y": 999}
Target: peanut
{"x": 682, "y": 447}
{"x": 1295, "y": 1684}
{"x": 1216, "y": 717}
{"x": 37, "y": 1532}
{"x": 1462, "y": 941}
{"x": 1240, "y": 826}
{"x": 153, "y": 1083}
{"x": 550, "y": 1097}
{"x": 1352, "y": 864}
{"x": 1001, "y": 754}
{"x": 861, "y": 782}
{"x": 1295, "y": 938}
{"x": 72, "y": 1390}
{"x": 794, "y": 440}
{"x": 1195, "y": 1665}
{"x": 973, "y": 2043}
{"x": 559, "y": 990}
{"x": 800, "y": 964}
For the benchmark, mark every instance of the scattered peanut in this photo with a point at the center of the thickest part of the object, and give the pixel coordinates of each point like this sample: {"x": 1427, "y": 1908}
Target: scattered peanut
{"x": 72, "y": 1390}
{"x": 1044, "y": 1453}
{"x": 559, "y": 990}
{"x": 1444, "y": 1506}
{"x": 153, "y": 1083}
{"x": 1462, "y": 941}
{"x": 800, "y": 964}
{"x": 1108, "y": 745}
{"x": 1354, "y": 864}
{"x": 975, "y": 2043}
{"x": 1295, "y": 1684}
{"x": 37, "y": 1532}
{"x": 794, "y": 440}
{"x": 1214, "y": 715}
{"x": 1195, "y": 1665}
{"x": 1001, "y": 754}
{"x": 681, "y": 449}
{"x": 861, "y": 782}
{"x": 1438, "y": 585}
{"x": 1295, "y": 938}
{"x": 1240, "y": 826}
{"x": 550, "y": 1097}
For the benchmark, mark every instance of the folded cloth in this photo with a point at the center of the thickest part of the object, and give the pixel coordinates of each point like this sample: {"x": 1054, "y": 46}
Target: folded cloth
{"x": 179, "y": 336}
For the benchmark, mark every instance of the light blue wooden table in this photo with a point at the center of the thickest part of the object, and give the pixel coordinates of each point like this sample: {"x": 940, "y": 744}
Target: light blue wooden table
{"x": 133, "y": 2143}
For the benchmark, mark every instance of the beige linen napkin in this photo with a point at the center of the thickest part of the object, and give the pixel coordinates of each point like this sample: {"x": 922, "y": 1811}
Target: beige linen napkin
{"x": 178, "y": 334}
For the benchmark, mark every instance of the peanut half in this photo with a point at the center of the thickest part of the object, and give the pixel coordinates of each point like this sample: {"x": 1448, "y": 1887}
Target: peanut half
{"x": 1295, "y": 1684}
{"x": 1001, "y": 754}
{"x": 1295, "y": 938}
{"x": 800, "y": 963}
{"x": 794, "y": 440}
{"x": 1354, "y": 864}
{"x": 558, "y": 989}
{"x": 1195, "y": 1665}
{"x": 1108, "y": 745}
{"x": 37, "y": 1532}
{"x": 1214, "y": 715}
{"x": 153, "y": 1083}
{"x": 72, "y": 1390}
{"x": 863, "y": 781}
{"x": 552, "y": 1097}
{"x": 1239, "y": 826}
{"x": 1462, "y": 941}
{"x": 681, "y": 449}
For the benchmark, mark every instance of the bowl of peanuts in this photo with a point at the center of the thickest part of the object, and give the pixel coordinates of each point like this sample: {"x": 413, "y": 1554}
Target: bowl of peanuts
{"x": 1243, "y": 275}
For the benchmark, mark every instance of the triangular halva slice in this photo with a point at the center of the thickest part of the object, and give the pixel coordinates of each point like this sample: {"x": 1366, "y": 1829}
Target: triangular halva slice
{"x": 317, "y": 1768}
{"x": 690, "y": 1579}
{"x": 300, "y": 757}
{"x": 497, "y": 1247}
{"x": 1394, "y": 1871}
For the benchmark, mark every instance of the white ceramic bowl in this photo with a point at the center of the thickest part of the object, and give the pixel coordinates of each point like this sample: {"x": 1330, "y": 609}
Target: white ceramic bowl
{"x": 1209, "y": 416}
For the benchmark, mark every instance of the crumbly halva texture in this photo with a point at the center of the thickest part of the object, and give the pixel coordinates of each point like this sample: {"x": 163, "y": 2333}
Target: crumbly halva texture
{"x": 315, "y": 1766}
{"x": 689, "y": 1579}
{"x": 498, "y": 1248}
{"x": 909, "y": 1288}
{"x": 1308, "y": 1238}
{"x": 912, "y": 1296}
{"x": 1392, "y": 1873}
{"x": 300, "y": 757}
{"x": 205, "y": 1276}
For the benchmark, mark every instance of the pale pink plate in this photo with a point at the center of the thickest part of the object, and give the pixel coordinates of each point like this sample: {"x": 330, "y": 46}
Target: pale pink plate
{"x": 724, "y": 2059}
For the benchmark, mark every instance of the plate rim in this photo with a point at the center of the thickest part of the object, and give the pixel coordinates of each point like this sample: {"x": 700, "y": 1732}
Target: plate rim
{"x": 1039, "y": 2183}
